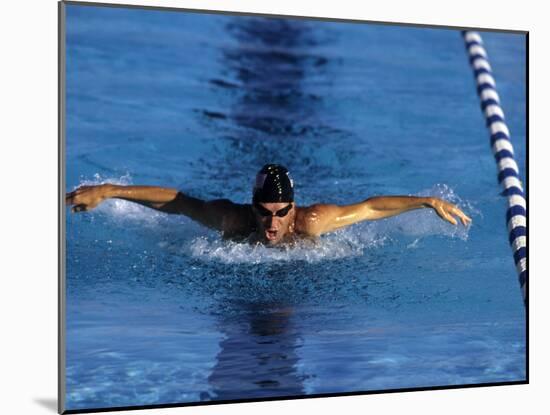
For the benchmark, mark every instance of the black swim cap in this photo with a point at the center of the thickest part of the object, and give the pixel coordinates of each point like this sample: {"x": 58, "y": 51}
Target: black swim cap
{"x": 273, "y": 184}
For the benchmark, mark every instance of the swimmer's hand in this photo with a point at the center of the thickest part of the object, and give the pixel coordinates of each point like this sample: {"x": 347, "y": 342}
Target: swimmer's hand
{"x": 86, "y": 197}
{"x": 447, "y": 211}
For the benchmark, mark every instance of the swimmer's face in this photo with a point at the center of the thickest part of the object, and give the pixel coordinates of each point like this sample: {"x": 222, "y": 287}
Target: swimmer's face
{"x": 274, "y": 220}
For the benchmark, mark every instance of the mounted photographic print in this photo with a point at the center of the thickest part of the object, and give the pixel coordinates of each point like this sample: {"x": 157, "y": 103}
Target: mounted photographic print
{"x": 260, "y": 207}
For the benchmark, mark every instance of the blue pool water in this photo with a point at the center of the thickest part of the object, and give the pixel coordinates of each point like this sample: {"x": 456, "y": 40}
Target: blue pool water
{"x": 161, "y": 310}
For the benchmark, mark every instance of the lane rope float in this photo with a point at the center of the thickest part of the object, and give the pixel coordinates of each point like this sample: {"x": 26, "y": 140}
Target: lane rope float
{"x": 503, "y": 151}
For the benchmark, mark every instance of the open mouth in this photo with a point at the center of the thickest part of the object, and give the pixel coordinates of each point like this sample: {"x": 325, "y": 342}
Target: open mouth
{"x": 271, "y": 234}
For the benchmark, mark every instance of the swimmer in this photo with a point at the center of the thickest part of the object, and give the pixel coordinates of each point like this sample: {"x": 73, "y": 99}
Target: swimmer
{"x": 272, "y": 217}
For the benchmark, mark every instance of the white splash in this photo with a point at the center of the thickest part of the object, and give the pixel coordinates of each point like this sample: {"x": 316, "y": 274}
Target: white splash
{"x": 342, "y": 244}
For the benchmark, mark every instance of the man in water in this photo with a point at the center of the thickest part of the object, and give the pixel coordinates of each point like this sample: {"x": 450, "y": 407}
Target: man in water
{"x": 273, "y": 217}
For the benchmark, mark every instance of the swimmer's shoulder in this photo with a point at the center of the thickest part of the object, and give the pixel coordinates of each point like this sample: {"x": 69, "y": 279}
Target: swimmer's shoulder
{"x": 238, "y": 220}
{"x": 311, "y": 220}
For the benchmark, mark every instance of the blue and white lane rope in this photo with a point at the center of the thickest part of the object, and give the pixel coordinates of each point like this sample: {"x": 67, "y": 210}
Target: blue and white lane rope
{"x": 508, "y": 171}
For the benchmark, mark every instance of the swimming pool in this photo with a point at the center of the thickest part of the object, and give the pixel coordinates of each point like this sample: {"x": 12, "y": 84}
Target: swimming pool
{"x": 161, "y": 310}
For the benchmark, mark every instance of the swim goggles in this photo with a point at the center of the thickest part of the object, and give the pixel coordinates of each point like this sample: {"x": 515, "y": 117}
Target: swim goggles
{"x": 280, "y": 213}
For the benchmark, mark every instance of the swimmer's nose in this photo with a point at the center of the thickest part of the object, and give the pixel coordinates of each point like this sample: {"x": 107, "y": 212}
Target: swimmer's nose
{"x": 269, "y": 221}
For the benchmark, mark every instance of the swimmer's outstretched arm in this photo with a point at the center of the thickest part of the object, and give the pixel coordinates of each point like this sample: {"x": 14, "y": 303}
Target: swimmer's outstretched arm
{"x": 168, "y": 200}
{"x": 326, "y": 218}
